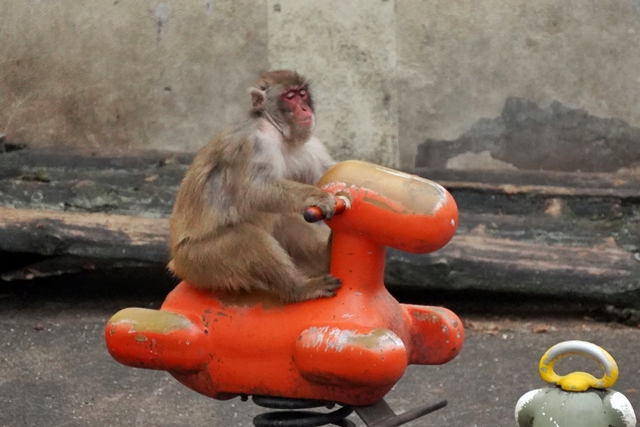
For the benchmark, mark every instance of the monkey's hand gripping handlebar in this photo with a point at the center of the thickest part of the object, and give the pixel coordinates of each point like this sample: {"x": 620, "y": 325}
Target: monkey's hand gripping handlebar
{"x": 314, "y": 214}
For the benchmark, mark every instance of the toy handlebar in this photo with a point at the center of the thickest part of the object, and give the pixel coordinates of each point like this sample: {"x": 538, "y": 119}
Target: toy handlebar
{"x": 578, "y": 381}
{"x": 314, "y": 214}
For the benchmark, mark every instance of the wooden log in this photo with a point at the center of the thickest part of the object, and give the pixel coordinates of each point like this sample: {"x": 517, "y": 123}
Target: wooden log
{"x": 70, "y": 264}
{"x": 92, "y": 235}
{"x": 559, "y": 234}
{"x": 551, "y": 183}
{"x": 138, "y": 184}
{"x": 472, "y": 263}
{"x": 611, "y": 198}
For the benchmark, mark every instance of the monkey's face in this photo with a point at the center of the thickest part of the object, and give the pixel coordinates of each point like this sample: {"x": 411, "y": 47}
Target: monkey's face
{"x": 297, "y": 106}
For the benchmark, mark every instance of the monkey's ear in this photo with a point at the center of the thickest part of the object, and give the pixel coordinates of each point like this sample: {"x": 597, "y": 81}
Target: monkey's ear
{"x": 258, "y": 98}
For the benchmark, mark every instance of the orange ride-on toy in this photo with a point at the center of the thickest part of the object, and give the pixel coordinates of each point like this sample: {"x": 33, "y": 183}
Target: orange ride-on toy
{"x": 350, "y": 349}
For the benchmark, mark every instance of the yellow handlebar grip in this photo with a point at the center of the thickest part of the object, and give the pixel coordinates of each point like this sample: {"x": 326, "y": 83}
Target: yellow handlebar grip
{"x": 578, "y": 381}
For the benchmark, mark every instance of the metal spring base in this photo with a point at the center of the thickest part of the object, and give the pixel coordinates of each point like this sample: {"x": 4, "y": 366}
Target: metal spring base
{"x": 290, "y": 414}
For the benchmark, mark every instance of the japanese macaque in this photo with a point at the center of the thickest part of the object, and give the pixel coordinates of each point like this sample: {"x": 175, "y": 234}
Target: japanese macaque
{"x": 237, "y": 222}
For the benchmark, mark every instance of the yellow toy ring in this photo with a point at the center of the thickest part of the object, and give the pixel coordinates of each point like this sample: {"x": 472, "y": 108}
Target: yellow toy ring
{"x": 578, "y": 381}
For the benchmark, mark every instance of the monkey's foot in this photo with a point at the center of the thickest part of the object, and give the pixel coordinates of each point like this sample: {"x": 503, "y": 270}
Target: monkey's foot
{"x": 324, "y": 286}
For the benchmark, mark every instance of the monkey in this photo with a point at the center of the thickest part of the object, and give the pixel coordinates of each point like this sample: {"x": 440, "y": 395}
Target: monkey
{"x": 237, "y": 224}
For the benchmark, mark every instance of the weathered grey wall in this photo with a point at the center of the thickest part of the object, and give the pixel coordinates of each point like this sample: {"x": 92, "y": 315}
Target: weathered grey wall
{"x": 161, "y": 74}
{"x": 459, "y": 62}
{"x": 390, "y": 75}
{"x": 349, "y": 49}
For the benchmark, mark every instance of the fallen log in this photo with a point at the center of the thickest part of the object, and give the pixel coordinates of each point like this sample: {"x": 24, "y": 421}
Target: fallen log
{"x": 556, "y": 234}
{"x": 84, "y": 234}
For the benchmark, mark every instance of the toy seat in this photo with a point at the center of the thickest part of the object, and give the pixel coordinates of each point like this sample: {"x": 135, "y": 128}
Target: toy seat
{"x": 349, "y": 349}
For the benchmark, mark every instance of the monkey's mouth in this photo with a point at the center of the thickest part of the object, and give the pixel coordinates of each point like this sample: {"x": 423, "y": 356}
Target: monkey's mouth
{"x": 305, "y": 123}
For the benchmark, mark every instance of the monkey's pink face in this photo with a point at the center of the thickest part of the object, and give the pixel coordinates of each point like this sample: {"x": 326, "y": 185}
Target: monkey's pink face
{"x": 297, "y": 99}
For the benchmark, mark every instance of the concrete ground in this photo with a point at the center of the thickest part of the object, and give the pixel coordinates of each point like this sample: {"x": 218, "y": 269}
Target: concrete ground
{"x": 55, "y": 370}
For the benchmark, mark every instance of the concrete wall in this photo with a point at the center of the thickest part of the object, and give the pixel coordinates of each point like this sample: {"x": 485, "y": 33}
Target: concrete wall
{"x": 117, "y": 73}
{"x": 460, "y": 61}
{"x": 390, "y": 76}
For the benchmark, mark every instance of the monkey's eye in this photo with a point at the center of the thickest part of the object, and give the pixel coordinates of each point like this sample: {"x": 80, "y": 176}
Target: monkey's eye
{"x": 290, "y": 94}
{"x": 302, "y": 93}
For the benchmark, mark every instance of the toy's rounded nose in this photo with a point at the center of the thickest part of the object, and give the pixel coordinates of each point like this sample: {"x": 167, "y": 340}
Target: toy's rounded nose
{"x": 392, "y": 208}
{"x": 153, "y": 339}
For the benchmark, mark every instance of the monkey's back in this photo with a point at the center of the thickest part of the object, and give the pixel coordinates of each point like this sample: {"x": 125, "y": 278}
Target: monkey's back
{"x": 209, "y": 193}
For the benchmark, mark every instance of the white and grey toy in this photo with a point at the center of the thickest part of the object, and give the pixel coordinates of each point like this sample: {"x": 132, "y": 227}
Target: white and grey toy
{"x": 577, "y": 399}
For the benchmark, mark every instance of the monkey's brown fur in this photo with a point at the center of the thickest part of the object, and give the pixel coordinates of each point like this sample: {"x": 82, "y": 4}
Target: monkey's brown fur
{"x": 237, "y": 221}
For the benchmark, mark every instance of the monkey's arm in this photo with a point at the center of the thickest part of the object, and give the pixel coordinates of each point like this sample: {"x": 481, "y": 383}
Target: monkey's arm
{"x": 279, "y": 196}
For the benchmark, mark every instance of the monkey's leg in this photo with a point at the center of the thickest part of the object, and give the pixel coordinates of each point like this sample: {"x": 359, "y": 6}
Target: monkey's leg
{"x": 245, "y": 257}
{"x": 308, "y": 244}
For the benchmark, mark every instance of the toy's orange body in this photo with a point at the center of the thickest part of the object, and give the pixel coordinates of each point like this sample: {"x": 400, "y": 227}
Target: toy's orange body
{"x": 350, "y": 349}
